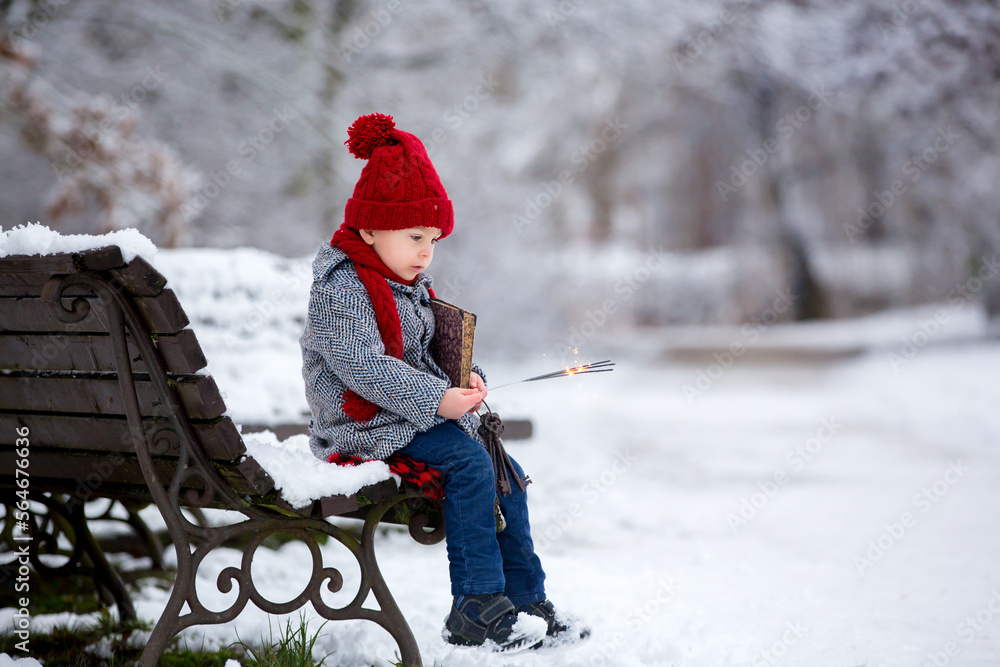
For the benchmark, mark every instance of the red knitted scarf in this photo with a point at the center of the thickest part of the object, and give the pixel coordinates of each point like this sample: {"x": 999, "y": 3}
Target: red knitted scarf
{"x": 373, "y": 274}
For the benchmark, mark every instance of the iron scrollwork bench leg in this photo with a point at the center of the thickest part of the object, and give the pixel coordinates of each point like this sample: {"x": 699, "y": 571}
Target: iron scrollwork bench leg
{"x": 388, "y": 614}
{"x": 193, "y": 542}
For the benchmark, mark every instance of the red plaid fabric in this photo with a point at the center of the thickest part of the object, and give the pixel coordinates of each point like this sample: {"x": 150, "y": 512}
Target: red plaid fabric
{"x": 416, "y": 475}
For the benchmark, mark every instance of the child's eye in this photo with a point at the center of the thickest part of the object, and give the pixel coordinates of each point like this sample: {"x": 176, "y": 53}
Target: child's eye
{"x": 415, "y": 237}
{"x": 435, "y": 240}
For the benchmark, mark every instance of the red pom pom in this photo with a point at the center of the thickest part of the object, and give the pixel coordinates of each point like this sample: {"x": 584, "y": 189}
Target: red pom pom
{"x": 368, "y": 133}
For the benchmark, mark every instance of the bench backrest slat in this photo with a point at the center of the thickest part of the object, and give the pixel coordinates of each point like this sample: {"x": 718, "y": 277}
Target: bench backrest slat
{"x": 220, "y": 440}
{"x": 100, "y": 393}
{"x": 181, "y": 352}
{"x": 137, "y": 277}
{"x": 162, "y": 314}
{"x": 96, "y": 470}
{"x": 99, "y": 259}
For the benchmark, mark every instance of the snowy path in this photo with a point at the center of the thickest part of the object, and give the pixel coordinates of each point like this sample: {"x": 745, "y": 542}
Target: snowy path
{"x": 634, "y": 503}
{"x": 793, "y": 565}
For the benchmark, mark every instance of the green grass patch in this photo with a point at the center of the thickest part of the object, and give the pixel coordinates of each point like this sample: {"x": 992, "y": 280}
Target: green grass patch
{"x": 292, "y": 648}
{"x": 112, "y": 645}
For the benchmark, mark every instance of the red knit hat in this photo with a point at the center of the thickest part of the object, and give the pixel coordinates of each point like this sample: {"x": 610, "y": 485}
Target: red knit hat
{"x": 398, "y": 188}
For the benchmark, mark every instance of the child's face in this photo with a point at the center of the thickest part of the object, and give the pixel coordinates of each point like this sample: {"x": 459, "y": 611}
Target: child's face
{"x": 406, "y": 251}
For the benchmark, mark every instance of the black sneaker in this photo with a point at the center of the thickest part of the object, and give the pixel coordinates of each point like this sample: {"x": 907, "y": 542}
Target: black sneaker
{"x": 561, "y": 631}
{"x": 492, "y": 621}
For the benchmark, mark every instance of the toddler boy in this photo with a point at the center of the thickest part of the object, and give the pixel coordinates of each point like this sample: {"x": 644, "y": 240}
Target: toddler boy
{"x": 374, "y": 388}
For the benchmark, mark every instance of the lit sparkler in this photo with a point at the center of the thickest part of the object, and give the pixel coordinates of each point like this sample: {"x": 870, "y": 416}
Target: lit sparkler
{"x": 596, "y": 367}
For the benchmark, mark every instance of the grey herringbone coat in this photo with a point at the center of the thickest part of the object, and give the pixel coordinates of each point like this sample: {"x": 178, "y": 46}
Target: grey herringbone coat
{"x": 342, "y": 349}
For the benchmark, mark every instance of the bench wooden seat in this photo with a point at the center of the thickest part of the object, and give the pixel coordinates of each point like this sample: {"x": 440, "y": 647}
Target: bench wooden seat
{"x": 98, "y": 364}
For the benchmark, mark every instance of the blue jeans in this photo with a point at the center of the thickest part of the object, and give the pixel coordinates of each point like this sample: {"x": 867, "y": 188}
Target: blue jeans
{"x": 481, "y": 560}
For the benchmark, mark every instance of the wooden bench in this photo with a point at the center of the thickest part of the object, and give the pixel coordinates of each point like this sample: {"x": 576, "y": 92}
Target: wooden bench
{"x": 100, "y": 373}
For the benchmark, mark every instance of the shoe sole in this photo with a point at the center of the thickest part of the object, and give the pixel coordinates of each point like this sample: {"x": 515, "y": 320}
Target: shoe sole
{"x": 491, "y": 646}
{"x": 523, "y": 643}
{"x": 559, "y": 644}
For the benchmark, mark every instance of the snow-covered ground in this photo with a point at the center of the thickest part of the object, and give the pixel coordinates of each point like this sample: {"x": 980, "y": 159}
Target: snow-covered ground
{"x": 828, "y": 512}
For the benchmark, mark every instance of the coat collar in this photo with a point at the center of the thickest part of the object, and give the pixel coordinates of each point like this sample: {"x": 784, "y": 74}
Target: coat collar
{"x": 328, "y": 258}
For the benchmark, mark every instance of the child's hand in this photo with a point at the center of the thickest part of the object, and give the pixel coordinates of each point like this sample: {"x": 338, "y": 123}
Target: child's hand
{"x": 456, "y": 402}
{"x": 476, "y": 382}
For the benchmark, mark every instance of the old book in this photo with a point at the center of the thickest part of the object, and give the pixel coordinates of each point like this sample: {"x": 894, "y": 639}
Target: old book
{"x": 451, "y": 345}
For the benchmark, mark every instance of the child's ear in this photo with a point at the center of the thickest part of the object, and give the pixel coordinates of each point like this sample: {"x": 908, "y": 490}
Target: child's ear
{"x": 367, "y": 235}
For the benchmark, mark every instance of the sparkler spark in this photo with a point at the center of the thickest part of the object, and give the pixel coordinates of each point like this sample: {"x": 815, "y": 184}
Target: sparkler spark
{"x": 596, "y": 367}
